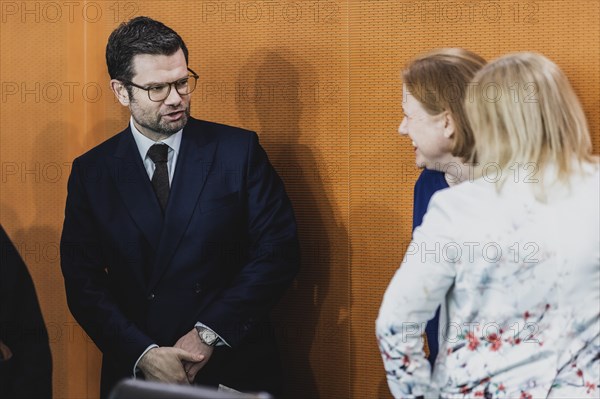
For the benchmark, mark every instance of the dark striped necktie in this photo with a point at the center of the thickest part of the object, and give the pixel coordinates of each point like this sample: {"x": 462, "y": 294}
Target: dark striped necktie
{"x": 159, "y": 154}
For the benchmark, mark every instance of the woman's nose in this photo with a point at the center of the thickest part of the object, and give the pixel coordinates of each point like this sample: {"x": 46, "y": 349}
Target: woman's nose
{"x": 402, "y": 130}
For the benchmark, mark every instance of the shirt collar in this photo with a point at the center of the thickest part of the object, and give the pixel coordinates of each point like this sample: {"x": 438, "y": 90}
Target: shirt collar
{"x": 144, "y": 143}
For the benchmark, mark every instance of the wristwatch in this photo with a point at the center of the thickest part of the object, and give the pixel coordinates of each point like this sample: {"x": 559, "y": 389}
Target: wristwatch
{"x": 207, "y": 336}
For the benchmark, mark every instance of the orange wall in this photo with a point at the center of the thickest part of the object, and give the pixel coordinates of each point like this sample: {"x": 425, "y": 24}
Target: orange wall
{"x": 319, "y": 81}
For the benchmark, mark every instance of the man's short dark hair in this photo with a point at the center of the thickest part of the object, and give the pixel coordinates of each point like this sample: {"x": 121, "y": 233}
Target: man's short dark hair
{"x": 141, "y": 35}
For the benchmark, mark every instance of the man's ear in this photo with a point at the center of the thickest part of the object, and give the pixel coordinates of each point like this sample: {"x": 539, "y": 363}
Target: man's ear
{"x": 120, "y": 91}
{"x": 449, "y": 126}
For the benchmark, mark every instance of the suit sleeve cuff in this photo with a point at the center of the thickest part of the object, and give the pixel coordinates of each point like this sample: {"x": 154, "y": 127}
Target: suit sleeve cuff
{"x": 220, "y": 342}
{"x": 135, "y": 366}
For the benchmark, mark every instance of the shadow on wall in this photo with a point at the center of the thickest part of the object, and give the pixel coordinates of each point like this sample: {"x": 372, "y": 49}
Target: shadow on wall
{"x": 46, "y": 177}
{"x": 378, "y": 257}
{"x": 384, "y": 389}
{"x": 109, "y": 127}
{"x": 48, "y": 172}
{"x": 312, "y": 321}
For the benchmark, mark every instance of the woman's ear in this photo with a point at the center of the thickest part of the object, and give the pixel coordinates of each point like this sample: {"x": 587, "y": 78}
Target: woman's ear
{"x": 120, "y": 91}
{"x": 449, "y": 126}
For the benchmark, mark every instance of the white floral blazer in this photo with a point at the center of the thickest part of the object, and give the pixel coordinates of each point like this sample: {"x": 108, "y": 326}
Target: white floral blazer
{"x": 520, "y": 283}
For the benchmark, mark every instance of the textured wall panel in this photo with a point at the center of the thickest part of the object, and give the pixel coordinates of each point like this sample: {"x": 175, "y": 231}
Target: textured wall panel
{"x": 383, "y": 37}
{"x": 320, "y": 83}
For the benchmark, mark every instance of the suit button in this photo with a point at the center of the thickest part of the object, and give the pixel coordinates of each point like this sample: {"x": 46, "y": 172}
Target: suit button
{"x": 150, "y": 297}
{"x": 198, "y": 288}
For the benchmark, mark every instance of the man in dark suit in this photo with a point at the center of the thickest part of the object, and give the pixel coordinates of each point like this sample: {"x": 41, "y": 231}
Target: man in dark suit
{"x": 178, "y": 236}
{"x": 25, "y": 360}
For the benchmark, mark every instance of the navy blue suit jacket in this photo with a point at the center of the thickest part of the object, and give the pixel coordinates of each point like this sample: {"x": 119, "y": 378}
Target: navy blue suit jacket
{"x": 223, "y": 254}
{"x": 429, "y": 182}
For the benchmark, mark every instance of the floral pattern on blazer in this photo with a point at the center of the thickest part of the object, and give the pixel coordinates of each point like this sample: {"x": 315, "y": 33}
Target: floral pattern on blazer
{"x": 521, "y": 283}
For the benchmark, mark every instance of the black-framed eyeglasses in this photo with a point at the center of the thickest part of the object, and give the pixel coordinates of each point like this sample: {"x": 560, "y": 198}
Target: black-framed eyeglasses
{"x": 159, "y": 92}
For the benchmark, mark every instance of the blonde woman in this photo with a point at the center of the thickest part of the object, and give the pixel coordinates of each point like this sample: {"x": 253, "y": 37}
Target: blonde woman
{"x": 514, "y": 253}
{"x": 435, "y": 85}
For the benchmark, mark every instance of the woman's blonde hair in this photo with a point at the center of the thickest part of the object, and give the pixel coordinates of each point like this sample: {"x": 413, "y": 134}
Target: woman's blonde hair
{"x": 439, "y": 80}
{"x": 524, "y": 111}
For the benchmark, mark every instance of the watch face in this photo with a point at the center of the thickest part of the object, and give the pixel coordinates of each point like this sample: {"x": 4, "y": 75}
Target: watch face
{"x": 208, "y": 337}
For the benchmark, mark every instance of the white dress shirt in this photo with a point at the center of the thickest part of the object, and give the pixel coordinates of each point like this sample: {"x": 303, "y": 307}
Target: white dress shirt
{"x": 144, "y": 143}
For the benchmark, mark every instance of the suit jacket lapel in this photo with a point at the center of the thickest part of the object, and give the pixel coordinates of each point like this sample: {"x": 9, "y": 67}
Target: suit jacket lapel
{"x": 135, "y": 188}
{"x": 193, "y": 166}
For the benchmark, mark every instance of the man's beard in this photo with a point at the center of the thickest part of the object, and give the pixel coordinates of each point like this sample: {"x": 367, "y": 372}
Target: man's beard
{"x": 159, "y": 125}
{"x": 166, "y": 128}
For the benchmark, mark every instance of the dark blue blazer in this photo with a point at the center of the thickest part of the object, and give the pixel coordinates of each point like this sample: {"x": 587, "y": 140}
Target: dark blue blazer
{"x": 223, "y": 254}
{"x": 427, "y": 184}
